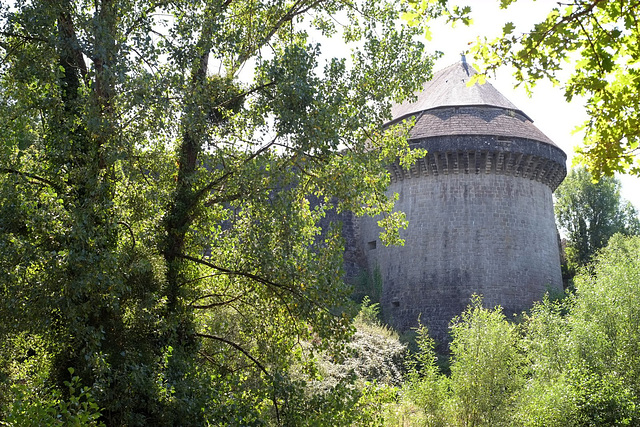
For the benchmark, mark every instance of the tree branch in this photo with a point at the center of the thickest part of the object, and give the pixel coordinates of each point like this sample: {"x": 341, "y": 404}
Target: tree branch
{"x": 237, "y": 347}
{"x": 217, "y": 304}
{"x": 565, "y": 20}
{"x": 133, "y": 237}
{"x": 250, "y": 357}
{"x": 207, "y": 188}
{"x": 239, "y": 273}
{"x": 266, "y": 282}
{"x": 296, "y": 9}
{"x": 32, "y": 176}
{"x": 24, "y": 37}
{"x": 142, "y": 16}
{"x": 72, "y": 56}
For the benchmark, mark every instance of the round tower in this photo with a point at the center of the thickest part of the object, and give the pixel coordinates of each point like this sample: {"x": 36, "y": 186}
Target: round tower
{"x": 479, "y": 207}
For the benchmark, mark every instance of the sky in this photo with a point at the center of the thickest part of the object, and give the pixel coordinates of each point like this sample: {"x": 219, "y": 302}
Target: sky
{"x": 551, "y": 113}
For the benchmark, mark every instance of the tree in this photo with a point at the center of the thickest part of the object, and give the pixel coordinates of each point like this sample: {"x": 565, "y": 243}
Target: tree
{"x": 604, "y": 324}
{"x": 590, "y": 213}
{"x": 599, "y": 39}
{"x": 485, "y": 365}
{"x": 486, "y": 373}
{"x": 155, "y": 232}
{"x": 582, "y": 365}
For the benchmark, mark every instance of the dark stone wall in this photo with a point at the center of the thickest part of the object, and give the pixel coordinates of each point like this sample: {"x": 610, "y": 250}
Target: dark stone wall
{"x": 484, "y": 154}
{"x": 355, "y": 260}
{"x": 489, "y": 234}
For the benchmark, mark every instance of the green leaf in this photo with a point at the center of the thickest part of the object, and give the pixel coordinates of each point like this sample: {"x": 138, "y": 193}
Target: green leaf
{"x": 508, "y": 28}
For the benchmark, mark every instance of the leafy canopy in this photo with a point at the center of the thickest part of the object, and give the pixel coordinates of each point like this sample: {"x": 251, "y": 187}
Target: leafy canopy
{"x": 598, "y": 41}
{"x": 590, "y": 213}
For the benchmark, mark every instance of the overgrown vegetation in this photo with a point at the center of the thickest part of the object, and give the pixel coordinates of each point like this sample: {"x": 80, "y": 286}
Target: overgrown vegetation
{"x": 589, "y": 213}
{"x": 156, "y": 230}
{"x": 160, "y": 262}
{"x": 569, "y": 362}
{"x": 368, "y": 285}
{"x": 572, "y": 361}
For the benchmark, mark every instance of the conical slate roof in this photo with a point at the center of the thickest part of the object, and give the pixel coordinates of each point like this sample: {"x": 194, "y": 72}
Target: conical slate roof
{"x": 447, "y": 106}
{"x": 448, "y": 88}
{"x": 475, "y": 129}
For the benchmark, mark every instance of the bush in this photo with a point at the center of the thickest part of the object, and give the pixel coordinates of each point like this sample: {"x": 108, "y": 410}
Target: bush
{"x": 601, "y": 399}
{"x": 426, "y": 390}
{"x": 374, "y": 354}
{"x": 583, "y": 359}
{"x": 605, "y": 332}
{"x": 545, "y": 403}
{"x": 486, "y": 363}
{"x": 485, "y": 374}
{"x": 49, "y": 409}
{"x": 356, "y": 387}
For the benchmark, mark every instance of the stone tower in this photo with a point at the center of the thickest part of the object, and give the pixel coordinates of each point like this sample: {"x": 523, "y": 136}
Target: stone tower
{"x": 479, "y": 207}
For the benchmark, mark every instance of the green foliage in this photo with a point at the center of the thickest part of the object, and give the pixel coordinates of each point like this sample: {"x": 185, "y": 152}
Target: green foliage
{"x": 545, "y": 399}
{"x": 421, "y": 12}
{"x": 590, "y": 213}
{"x": 48, "y": 407}
{"x": 598, "y": 41}
{"x": 485, "y": 374}
{"x": 543, "y": 403}
{"x": 569, "y": 362}
{"x": 357, "y": 385}
{"x": 368, "y": 285}
{"x": 601, "y": 398}
{"x": 369, "y": 314}
{"x": 156, "y": 232}
{"x": 425, "y": 391}
{"x": 582, "y": 356}
{"x": 373, "y": 354}
{"x": 485, "y": 365}
{"x": 606, "y": 318}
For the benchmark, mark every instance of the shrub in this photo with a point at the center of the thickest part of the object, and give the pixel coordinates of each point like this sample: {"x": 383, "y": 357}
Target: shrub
{"x": 426, "y": 390}
{"x": 374, "y": 353}
{"x": 50, "y": 409}
{"x": 485, "y": 368}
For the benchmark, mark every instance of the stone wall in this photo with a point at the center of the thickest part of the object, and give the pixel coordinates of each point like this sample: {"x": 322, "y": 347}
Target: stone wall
{"x": 485, "y": 233}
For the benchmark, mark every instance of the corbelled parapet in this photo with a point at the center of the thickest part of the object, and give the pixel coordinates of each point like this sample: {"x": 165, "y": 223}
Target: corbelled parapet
{"x": 478, "y": 153}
